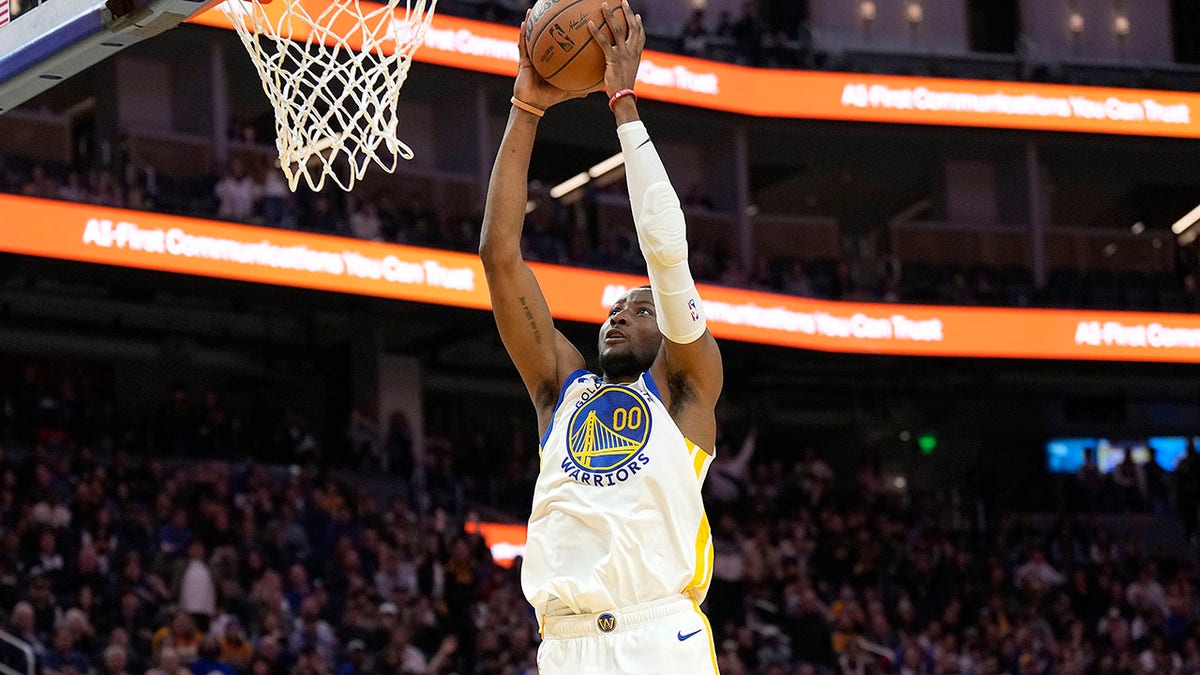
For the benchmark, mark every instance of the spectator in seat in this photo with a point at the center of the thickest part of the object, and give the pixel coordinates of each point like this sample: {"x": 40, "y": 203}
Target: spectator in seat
{"x": 270, "y": 653}
{"x": 48, "y": 562}
{"x": 1146, "y": 595}
{"x": 401, "y": 656}
{"x": 81, "y": 628}
{"x": 749, "y": 32}
{"x": 784, "y": 54}
{"x": 1155, "y": 484}
{"x": 174, "y": 536}
{"x": 364, "y": 221}
{"x": 356, "y": 659}
{"x": 168, "y": 664}
{"x": 1187, "y": 489}
{"x": 208, "y": 660}
{"x": 1090, "y": 481}
{"x": 1037, "y": 571}
{"x": 724, "y": 27}
{"x": 235, "y": 648}
{"x": 1127, "y": 477}
{"x": 325, "y": 219}
{"x": 115, "y": 661}
{"x": 729, "y": 477}
{"x": 107, "y": 190}
{"x": 22, "y": 625}
{"x": 274, "y": 197}
{"x": 197, "y": 591}
{"x": 63, "y": 656}
{"x": 181, "y": 634}
{"x": 236, "y": 193}
{"x": 39, "y": 184}
{"x": 46, "y": 610}
{"x": 299, "y": 587}
{"x": 694, "y": 39}
{"x": 311, "y": 632}
{"x": 74, "y": 189}
{"x": 399, "y": 456}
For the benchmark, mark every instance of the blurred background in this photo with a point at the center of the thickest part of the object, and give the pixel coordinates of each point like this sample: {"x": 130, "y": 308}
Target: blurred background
{"x": 202, "y": 474}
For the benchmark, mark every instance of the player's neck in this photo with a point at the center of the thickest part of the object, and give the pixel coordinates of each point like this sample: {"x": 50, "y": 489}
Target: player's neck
{"x": 619, "y": 379}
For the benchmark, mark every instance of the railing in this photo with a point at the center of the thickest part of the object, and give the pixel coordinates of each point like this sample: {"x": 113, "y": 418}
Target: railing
{"x": 20, "y": 646}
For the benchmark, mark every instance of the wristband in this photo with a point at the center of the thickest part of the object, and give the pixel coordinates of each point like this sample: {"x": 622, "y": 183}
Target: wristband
{"x": 612, "y": 102}
{"x": 528, "y": 107}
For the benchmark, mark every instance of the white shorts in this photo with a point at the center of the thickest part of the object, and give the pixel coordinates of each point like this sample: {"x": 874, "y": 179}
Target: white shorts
{"x": 663, "y": 637}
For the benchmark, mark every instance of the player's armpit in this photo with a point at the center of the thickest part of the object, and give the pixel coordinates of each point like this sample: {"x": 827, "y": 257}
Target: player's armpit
{"x": 693, "y": 376}
{"x": 696, "y": 366}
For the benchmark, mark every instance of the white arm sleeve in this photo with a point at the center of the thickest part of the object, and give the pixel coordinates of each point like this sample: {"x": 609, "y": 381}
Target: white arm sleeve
{"x": 662, "y": 235}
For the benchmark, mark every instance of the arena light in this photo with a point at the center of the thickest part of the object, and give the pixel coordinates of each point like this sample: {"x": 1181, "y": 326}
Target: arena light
{"x": 915, "y": 14}
{"x": 569, "y": 185}
{"x": 927, "y": 443}
{"x": 1185, "y": 223}
{"x": 1075, "y": 24}
{"x": 607, "y": 165}
{"x": 1121, "y": 26}
{"x": 867, "y": 11}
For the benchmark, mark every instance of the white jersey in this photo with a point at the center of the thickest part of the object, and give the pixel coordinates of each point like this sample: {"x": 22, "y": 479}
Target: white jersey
{"x": 617, "y": 515}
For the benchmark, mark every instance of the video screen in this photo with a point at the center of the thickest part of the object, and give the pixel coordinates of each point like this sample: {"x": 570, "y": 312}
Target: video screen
{"x": 1066, "y": 455}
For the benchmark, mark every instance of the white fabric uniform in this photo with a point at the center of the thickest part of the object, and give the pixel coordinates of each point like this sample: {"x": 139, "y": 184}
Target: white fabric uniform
{"x": 618, "y": 530}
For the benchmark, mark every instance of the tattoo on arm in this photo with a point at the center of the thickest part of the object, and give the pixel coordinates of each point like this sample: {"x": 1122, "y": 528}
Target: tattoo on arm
{"x": 537, "y": 334}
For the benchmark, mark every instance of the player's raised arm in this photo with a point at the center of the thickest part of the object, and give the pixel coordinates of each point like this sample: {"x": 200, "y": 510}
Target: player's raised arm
{"x": 542, "y": 355}
{"x": 690, "y": 361}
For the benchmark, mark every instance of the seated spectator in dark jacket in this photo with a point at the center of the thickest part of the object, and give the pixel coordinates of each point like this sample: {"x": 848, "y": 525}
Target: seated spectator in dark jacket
{"x": 209, "y": 660}
{"x": 64, "y": 657}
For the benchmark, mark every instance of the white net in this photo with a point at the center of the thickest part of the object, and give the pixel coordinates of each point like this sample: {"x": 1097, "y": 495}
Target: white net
{"x": 333, "y": 70}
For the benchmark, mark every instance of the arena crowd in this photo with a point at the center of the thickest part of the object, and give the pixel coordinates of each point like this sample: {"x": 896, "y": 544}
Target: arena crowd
{"x": 127, "y": 551}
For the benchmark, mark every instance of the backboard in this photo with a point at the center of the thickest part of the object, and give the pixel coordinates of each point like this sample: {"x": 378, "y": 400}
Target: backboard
{"x": 60, "y": 38}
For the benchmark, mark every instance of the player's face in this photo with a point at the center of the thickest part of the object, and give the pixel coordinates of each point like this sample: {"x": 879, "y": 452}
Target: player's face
{"x": 629, "y": 339}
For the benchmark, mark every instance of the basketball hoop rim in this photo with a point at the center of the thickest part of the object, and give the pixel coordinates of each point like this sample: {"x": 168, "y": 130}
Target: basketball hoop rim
{"x": 323, "y": 122}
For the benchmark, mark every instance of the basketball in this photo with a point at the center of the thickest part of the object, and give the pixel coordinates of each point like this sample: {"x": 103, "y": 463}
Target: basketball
{"x": 562, "y": 48}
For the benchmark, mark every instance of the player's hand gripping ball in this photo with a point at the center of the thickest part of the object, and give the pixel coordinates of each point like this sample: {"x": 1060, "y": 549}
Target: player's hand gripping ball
{"x": 562, "y": 48}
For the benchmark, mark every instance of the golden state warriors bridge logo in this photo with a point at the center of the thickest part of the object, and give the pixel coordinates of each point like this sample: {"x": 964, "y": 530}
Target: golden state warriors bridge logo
{"x": 606, "y": 437}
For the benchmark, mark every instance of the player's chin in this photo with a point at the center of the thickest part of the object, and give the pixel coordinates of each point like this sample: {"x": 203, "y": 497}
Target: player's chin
{"x": 613, "y": 355}
{"x": 622, "y": 361}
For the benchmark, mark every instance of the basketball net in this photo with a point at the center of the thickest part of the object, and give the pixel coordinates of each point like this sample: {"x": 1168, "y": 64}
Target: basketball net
{"x": 333, "y": 70}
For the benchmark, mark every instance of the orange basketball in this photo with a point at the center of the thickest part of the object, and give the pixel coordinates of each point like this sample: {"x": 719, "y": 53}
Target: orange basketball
{"x": 562, "y": 48}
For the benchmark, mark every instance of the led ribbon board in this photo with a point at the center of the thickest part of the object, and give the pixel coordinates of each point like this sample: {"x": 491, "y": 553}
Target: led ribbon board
{"x": 148, "y": 241}
{"x": 849, "y": 97}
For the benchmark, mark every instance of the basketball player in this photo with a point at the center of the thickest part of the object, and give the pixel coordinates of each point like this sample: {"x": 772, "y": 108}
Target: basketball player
{"x": 619, "y": 553}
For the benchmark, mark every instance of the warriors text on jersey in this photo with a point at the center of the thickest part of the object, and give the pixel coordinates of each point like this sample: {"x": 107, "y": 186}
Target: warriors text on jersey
{"x": 617, "y": 515}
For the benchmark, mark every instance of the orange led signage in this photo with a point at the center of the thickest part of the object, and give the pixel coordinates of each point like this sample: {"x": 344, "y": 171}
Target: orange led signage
{"x": 506, "y": 541}
{"x": 852, "y": 97}
{"x": 148, "y": 241}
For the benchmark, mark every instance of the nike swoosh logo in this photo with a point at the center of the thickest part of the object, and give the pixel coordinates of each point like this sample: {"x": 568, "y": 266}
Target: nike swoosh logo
{"x": 683, "y": 637}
